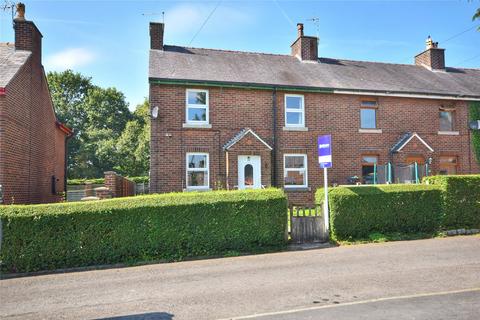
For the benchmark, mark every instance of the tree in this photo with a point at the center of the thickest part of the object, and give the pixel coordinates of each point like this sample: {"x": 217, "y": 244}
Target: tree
{"x": 97, "y": 116}
{"x": 477, "y": 16}
{"x": 133, "y": 146}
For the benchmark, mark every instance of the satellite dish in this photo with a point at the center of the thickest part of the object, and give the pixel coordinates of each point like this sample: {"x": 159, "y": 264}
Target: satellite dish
{"x": 474, "y": 125}
{"x": 155, "y": 112}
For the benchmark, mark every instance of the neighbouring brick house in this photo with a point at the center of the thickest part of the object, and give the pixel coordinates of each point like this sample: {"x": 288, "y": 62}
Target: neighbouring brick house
{"x": 32, "y": 141}
{"x": 229, "y": 119}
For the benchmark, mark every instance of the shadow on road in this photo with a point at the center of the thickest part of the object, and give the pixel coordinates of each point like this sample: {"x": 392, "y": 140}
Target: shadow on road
{"x": 143, "y": 316}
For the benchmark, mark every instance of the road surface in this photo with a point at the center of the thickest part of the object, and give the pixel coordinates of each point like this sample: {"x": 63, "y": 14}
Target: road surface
{"x": 424, "y": 279}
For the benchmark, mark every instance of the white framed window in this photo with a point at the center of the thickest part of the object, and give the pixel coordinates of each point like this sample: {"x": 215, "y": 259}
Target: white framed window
{"x": 294, "y": 110}
{"x": 295, "y": 174}
{"x": 197, "y": 170}
{"x": 197, "y": 106}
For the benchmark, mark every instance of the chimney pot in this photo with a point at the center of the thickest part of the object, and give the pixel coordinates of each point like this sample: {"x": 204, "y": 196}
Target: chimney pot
{"x": 20, "y": 12}
{"x": 300, "y": 29}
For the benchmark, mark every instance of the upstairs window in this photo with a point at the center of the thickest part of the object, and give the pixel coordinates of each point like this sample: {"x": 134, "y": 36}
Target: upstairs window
{"x": 197, "y": 171}
{"x": 295, "y": 170}
{"x": 197, "y": 106}
{"x": 446, "y": 120}
{"x": 368, "y": 115}
{"x": 368, "y": 168}
{"x": 294, "y": 111}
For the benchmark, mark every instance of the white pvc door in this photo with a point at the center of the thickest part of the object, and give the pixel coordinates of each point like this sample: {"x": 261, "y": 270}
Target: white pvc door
{"x": 249, "y": 172}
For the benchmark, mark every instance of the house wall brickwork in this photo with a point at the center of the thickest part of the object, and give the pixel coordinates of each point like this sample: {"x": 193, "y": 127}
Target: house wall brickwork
{"x": 32, "y": 147}
{"x": 232, "y": 110}
{"x": 433, "y": 58}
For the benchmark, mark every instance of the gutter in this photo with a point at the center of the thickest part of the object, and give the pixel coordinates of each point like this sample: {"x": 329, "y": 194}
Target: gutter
{"x": 3, "y": 91}
{"x": 259, "y": 86}
{"x": 237, "y": 85}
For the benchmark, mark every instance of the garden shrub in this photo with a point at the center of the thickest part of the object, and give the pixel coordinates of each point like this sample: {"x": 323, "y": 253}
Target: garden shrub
{"x": 358, "y": 211}
{"x": 461, "y": 200}
{"x": 154, "y": 227}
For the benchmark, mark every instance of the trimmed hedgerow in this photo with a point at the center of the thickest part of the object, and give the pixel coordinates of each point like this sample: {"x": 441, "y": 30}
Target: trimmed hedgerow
{"x": 461, "y": 200}
{"x": 77, "y": 182}
{"x": 127, "y": 230}
{"x": 358, "y": 211}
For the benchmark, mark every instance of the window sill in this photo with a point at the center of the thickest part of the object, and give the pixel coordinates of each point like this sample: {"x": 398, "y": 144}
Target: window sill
{"x": 197, "y": 189}
{"x": 197, "y": 126}
{"x": 449, "y": 133}
{"x": 295, "y": 129}
{"x": 370, "y": 130}
{"x": 297, "y": 189}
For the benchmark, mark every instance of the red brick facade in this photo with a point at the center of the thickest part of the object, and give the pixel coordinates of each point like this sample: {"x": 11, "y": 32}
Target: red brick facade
{"x": 231, "y": 110}
{"x": 32, "y": 143}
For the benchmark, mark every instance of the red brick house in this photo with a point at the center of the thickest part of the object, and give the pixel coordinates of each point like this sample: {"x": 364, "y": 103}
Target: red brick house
{"x": 32, "y": 141}
{"x": 230, "y": 119}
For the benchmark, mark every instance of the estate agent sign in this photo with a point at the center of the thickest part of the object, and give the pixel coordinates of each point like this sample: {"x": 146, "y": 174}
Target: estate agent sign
{"x": 324, "y": 146}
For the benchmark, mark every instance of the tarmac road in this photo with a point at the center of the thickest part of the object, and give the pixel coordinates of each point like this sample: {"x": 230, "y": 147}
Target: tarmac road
{"x": 424, "y": 279}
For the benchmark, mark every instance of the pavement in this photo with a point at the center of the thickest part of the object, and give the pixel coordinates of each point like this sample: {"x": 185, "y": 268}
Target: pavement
{"x": 423, "y": 279}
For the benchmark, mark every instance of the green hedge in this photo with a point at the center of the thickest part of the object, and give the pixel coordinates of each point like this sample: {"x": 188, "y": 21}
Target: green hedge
{"x": 357, "y": 211}
{"x": 153, "y": 227}
{"x": 461, "y": 200}
{"x": 76, "y": 182}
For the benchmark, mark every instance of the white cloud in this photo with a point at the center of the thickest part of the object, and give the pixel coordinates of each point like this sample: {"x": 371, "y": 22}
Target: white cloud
{"x": 184, "y": 20}
{"x": 70, "y": 58}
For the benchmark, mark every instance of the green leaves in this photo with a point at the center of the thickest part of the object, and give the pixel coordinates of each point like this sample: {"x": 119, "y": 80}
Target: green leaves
{"x": 129, "y": 230}
{"x": 99, "y": 118}
{"x": 358, "y": 211}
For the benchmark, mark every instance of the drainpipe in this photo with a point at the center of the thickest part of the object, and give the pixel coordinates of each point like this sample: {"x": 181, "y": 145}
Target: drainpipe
{"x": 274, "y": 138}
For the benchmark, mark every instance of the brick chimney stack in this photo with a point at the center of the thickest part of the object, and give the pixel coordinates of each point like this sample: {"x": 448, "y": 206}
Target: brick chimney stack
{"x": 156, "y": 35}
{"x": 27, "y": 35}
{"x": 433, "y": 58}
{"x": 305, "y": 48}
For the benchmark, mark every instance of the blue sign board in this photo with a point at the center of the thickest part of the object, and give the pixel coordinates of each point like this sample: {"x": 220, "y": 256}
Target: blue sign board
{"x": 324, "y": 146}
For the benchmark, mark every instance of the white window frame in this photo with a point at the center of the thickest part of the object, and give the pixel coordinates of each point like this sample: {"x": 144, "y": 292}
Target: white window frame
{"x": 286, "y": 170}
{"x": 301, "y": 111}
{"x": 197, "y": 106}
{"x": 206, "y": 169}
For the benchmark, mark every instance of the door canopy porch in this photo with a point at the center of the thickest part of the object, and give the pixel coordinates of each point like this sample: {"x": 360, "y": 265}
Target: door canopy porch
{"x": 242, "y": 134}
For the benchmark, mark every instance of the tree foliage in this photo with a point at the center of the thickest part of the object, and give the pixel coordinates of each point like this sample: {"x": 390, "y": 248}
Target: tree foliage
{"x": 107, "y": 135}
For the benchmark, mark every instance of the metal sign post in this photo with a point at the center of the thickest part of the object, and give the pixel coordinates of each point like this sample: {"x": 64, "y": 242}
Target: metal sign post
{"x": 325, "y": 161}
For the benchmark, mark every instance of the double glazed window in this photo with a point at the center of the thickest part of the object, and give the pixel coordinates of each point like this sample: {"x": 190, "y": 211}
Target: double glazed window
{"x": 446, "y": 120}
{"x": 197, "y": 171}
{"x": 368, "y": 168}
{"x": 295, "y": 170}
{"x": 448, "y": 165}
{"x": 294, "y": 111}
{"x": 368, "y": 115}
{"x": 197, "y": 106}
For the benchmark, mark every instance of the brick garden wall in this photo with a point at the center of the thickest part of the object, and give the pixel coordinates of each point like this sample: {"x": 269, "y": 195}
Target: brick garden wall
{"x": 234, "y": 109}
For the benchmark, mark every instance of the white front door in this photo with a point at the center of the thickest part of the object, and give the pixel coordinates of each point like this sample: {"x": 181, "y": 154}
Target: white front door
{"x": 249, "y": 172}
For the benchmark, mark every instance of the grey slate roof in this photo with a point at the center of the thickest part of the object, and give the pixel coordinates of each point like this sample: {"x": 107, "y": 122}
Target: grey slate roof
{"x": 194, "y": 64}
{"x": 11, "y": 61}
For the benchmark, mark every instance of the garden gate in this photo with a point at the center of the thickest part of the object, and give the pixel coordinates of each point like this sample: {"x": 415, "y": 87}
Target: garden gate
{"x": 306, "y": 225}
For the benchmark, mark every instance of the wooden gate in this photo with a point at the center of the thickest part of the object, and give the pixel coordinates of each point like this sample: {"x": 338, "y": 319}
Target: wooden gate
{"x": 307, "y": 225}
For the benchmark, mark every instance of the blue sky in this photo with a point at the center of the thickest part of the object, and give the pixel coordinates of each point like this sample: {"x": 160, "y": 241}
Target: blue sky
{"x": 109, "y": 41}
